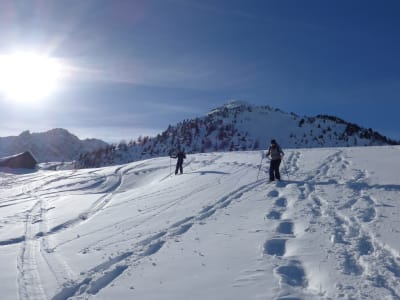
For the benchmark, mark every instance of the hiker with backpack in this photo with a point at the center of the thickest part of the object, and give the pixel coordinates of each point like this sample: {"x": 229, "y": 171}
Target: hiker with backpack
{"x": 180, "y": 155}
{"x": 276, "y": 153}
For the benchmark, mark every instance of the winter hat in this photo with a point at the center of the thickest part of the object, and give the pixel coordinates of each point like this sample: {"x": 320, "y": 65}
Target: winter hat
{"x": 273, "y": 142}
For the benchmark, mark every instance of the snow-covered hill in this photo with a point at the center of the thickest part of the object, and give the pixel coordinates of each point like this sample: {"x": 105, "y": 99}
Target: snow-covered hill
{"x": 240, "y": 126}
{"x": 330, "y": 230}
{"x": 54, "y": 145}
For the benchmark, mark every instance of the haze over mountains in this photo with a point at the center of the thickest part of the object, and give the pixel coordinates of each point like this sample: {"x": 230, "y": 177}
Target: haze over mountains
{"x": 232, "y": 127}
{"x": 54, "y": 145}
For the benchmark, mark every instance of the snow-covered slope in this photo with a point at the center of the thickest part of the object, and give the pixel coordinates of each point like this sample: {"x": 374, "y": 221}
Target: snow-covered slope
{"x": 330, "y": 230}
{"x": 54, "y": 145}
{"x": 240, "y": 126}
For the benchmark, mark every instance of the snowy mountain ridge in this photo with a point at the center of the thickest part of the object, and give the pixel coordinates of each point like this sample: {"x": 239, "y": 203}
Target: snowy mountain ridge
{"x": 54, "y": 145}
{"x": 238, "y": 125}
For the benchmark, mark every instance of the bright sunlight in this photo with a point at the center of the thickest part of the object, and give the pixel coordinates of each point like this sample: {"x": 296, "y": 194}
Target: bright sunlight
{"x": 28, "y": 78}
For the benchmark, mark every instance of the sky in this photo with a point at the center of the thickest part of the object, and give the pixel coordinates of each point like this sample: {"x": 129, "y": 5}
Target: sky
{"x": 133, "y": 67}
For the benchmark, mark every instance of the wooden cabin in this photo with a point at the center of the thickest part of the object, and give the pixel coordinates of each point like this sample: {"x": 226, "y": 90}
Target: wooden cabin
{"x": 24, "y": 160}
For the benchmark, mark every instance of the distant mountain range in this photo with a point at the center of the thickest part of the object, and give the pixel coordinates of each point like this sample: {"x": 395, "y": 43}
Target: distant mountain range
{"x": 231, "y": 127}
{"x": 54, "y": 145}
{"x": 240, "y": 126}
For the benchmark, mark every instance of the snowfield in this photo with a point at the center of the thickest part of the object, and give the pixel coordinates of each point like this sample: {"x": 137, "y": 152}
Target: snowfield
{"x": 329, "y": 230}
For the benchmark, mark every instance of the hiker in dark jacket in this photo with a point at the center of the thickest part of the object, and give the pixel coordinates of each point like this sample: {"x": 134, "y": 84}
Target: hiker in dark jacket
{"x": 276, "y": 153}
{"x": 180, "y": 155}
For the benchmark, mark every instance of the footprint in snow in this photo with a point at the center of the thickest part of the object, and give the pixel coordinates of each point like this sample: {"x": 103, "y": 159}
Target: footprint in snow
{"x": 274, "y": 215}
{"x": 367, "y": 215}
{"x": 273, "y": 193}
{"x": 275, "y": 247}
{"x": 293, "y": 274}
{"x": 351, "y": 266}
{"x": 182, "y": 229}
{"x": 153, "y": 248}
{"x": 365, "y": 246}
{"x": 285, "y": 227}
{"x": 281, "y": 202}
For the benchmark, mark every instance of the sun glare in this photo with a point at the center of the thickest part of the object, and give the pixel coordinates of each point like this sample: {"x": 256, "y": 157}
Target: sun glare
{"x": 28, "y": 77}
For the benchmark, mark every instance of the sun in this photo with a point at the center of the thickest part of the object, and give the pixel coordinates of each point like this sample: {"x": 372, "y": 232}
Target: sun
{"x": 27, "y": 77}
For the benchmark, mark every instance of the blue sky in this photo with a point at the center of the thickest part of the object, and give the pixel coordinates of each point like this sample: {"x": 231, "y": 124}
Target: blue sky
{"x": 136, "y": 66}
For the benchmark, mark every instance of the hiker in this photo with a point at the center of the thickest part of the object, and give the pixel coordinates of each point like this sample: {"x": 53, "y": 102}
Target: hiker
{"x": 276, "y": 157}
{"x": 180, "y": 155}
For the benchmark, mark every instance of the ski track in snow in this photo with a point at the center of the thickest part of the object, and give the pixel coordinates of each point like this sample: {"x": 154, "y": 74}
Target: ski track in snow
{"x": 35, "y": 253}
{"x": 100, "y": 276}
{"x": 35, "y": 244}
{"x": 29, "y": 281}
{"x": 304, "y": 198}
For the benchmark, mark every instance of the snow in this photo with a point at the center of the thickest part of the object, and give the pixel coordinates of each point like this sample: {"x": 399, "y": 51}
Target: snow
{"x": 329, "y": 230}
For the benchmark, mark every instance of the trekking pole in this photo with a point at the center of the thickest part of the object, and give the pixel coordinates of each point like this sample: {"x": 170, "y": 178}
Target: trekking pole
{"x": 170, "y": 166}
{"x": 188, "y": 164}
{"x": 262, "y": 157}
{"x": 287, "y": 173}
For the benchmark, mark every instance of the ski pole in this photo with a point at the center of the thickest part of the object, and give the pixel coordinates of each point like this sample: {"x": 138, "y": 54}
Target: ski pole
{"x": 287, "y": 173}
{"x": 262, "y": 157}
{"x": 189, "y": 164}
{"x": 170, "y": 166}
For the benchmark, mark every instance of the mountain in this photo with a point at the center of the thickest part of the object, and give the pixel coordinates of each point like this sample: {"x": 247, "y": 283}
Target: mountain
{"x": 240, "y": 126}
{"x": 54, "y": 145}
{"x": 329, "y": 230}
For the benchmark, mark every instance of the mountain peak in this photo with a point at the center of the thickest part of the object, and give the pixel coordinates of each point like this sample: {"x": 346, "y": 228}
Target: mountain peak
{"x": 57, "y": 144}
{"x": 231, "y": 105}
{"x": 239, "y": 126}
{"x": 59, "y": 131}
{"x": 25, "y": 134}
{"x": 236, "y": 103}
